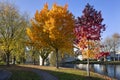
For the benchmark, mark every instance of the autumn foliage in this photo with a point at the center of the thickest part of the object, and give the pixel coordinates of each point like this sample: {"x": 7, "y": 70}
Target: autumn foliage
{"x": 94, "y": 49}
{"x": 88, "y": 29}
{"x": 102, "y": 54}
{"x": 53, "y": 27}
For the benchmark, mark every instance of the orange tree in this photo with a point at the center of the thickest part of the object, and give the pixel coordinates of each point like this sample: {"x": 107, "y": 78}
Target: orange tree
{"x": 53, "y": 27}
{"x": 94, "y": 48}
{"x": 37, "y": 47}
{"x": 88, "y": 29}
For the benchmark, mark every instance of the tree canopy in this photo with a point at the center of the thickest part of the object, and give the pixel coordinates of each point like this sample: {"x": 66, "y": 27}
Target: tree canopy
{"x": 12, "y": 27}
{"x": 88, "y": 27}
{"x": 88, "y": 30}
{"x": 53, "y": 27}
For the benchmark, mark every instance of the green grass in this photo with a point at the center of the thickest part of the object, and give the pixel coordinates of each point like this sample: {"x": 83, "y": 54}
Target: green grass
{"x": 23, "y": 72}
{"x": 23, "y": 75}
{"x": 70, "y": 74}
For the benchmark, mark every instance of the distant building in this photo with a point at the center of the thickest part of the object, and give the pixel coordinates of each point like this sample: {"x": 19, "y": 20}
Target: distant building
{"x": 112, "y": 56}
{"x": 78, "y": 54}
{"x": 68, "y": 58}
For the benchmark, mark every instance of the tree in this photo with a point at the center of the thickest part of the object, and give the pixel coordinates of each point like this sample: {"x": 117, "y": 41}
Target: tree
{"x": 2, "y": 56}
{"x": 33, "y": 51}
{"x": 107, "y": 44}
{"x": 12, "y": 24}
{"x": 44, "y": 53}
{"x": 53, "y": 27}
{"x": 94, "y": 48}
{"x": 34, "y": 54}
{"x": 116, "y": 43}
{"x": 18, "y": 52}
{"x": 88, "y": 28}
{"x": 112, "y": 43}
{"x": 52, "y": 58}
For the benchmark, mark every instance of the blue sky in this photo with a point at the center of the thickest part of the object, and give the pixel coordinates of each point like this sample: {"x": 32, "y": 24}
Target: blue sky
{"x": 110, "y": 10}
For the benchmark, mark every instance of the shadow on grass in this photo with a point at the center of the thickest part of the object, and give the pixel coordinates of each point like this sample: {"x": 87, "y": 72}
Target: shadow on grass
{"x": 71, "y": 76}
{"x": 61, "y": 74}
{"x": 20, "y": 73}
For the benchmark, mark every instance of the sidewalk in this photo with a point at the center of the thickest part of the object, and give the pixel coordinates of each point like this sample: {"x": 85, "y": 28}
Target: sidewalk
{"x": 4, "y": 75}
{"x": 44, "y": 75}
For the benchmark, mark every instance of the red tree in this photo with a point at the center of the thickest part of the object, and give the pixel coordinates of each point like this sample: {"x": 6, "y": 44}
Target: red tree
{"x": 102, "y": 54}
{"x": 88, "y": 27}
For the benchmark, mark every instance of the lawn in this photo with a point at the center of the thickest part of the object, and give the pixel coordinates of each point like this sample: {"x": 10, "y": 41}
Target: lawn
{"x": 70, "y": 74}
{"x": 23, "y": 75}
{"x": 23, "y": 72}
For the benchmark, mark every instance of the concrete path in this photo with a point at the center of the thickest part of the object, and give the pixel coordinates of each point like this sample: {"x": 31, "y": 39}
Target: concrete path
{"x": 4, "y": 75}
{"x": 44, "y": 75}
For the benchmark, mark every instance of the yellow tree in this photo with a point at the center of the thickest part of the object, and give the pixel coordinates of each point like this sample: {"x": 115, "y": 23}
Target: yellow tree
{"x": 53, "y": 27}
{"x": 12, "y": 26}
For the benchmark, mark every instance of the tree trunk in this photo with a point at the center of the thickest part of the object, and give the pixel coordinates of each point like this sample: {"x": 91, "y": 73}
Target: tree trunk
{"x": 7, "y": 58}
{"x": 88, "y": 64}
{"x": 40, "y": 60}
{"x": 34, "y": 61}
{"x": 43, "y": 60}
{"x": 33, "y": 57}
{"x": 4, "y": 58}
{"x": 22, "y": 60}
{"x": 14, "y": 60}
{"x": 114, "y": 55}
{"x": 57, "y": 61}
{"x": 88, "y": 69}
{"x": 104, "y": 58}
